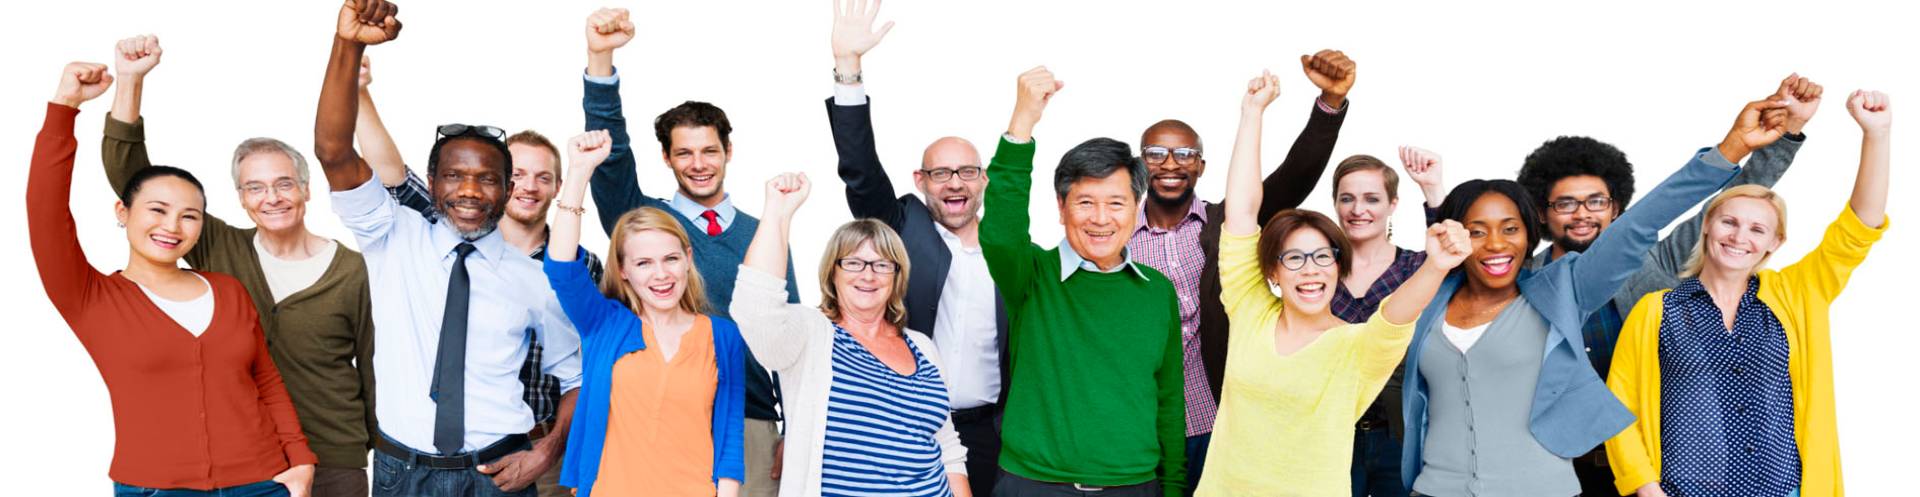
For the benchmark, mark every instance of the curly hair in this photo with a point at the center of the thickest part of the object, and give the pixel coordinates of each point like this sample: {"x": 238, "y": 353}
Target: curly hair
{"x": 1567, "y": 156}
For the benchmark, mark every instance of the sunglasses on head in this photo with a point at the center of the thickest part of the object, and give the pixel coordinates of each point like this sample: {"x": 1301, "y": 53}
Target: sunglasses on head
{"x": 459, "y": 130}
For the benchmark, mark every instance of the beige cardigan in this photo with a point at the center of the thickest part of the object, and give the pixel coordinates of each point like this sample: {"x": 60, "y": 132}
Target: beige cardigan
{"x": 796, "y": 341}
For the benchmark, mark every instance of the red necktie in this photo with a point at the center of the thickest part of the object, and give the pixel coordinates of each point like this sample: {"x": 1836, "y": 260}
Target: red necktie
{"x": 713, "y": 222}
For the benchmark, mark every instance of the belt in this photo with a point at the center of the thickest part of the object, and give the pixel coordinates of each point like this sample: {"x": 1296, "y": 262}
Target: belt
{"x": 506, "y": 445}
{"x": 973, "y": 414}
{"x": 1082, "y": 487}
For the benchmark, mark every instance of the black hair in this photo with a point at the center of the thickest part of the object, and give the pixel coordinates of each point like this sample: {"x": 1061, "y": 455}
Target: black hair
{"x": 692, "y": 114}
{"x": 1567, "y": 156}
{"x": 506, "y": 157}
{"x": 150, "y": 173}
{"x": 1462, "y": 198}
{"x": 1099, "y": 158}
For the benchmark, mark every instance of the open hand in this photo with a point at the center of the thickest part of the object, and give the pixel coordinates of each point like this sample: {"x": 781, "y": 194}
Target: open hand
{"x": 515, "y": 471}
{"x": 853, "y": 33}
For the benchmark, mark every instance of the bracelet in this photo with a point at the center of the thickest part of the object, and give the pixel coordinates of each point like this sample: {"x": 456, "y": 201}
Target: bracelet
{"x": 576, "y": 210}
{"x": 846, "y": 80}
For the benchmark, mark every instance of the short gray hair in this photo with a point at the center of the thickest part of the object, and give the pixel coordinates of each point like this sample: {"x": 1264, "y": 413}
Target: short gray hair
{"x": 1099, "y": 158}
{"x": 262, "y": 145}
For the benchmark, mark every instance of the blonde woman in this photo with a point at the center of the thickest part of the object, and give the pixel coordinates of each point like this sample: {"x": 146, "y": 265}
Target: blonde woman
{"x": 866, "y": 407}
{"x": 1730, "y": 374}
{"x": 661, "y": 402}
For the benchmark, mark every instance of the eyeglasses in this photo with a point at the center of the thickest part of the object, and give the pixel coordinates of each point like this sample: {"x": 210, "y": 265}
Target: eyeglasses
{"x": 852, "y": 265}
{"x": 457, "y": 129}
{"x": 1594, "y": 204}
{"x": 942, "y": 174}
{"x": 1296, "y": 259}
{"x": 283, "y": 186}
{"x": 1157, "y": 154}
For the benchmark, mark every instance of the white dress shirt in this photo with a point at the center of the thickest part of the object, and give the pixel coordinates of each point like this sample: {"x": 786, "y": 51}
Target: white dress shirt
{"x": 409, "y": 261}
{"x": 967, "y": 327}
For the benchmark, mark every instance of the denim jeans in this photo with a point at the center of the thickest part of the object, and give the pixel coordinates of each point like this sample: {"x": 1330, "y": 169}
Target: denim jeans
{"x": 1376, "y": 464}
{"x": 396, "y": 477}
{"x": 267, "y": 488}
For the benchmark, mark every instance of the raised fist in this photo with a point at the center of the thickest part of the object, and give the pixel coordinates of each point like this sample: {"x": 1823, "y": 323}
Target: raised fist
{"x": 1802, "y": 96}
{"x": 1422, "y": 166}
{"x": 785, "y": 193}
{"x": 80, "y": 82}
{"x": 586, "y": 151}
{"x": 1260, "y": 92}
{"x": 853, "y": 33}
{"x": 1448, "y": 244}
{"x": 1036, "y": 87}
{"x": 608, "y": 29}
{"x": 134, "y": 57}
{"x": 1759, "y": 124}
{"x": 1332, "y": 72}
{"x": 1872, "y": 109}
{"x": 370, "y": 22}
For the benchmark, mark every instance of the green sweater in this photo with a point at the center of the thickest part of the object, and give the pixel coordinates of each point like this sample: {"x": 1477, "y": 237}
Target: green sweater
{"x": 1096, "y": 394}
{"x": 321, "y": 338}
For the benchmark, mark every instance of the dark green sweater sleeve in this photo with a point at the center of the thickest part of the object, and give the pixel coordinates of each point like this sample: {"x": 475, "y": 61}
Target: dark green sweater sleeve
{"x": 1171, "y": 422}
{"x": 1004, "y": 241}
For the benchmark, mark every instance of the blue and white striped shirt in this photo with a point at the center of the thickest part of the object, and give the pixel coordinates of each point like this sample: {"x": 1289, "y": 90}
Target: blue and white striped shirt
{"x": 881, "y": 425}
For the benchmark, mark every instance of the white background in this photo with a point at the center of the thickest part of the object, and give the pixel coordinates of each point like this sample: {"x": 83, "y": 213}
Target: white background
{"x": 1482, "y": 85}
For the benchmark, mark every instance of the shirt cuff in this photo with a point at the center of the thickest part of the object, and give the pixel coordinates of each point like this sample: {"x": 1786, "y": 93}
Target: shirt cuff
{"x": 849, "y": 95}
{"x": 1322, "y": 105}
{"x": 1008, "y": 138}
{"x": 603, "y": 80}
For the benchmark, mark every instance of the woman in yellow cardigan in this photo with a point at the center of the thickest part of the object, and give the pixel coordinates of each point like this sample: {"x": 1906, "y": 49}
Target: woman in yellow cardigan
{"x": 1731, "y": 373}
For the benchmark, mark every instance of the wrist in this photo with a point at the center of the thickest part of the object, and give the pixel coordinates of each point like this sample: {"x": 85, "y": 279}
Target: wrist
{"x": 600, "y": 63}
{"x": 1333, "y": 100}
{"x": 1733, "y": 149}
{"x": 1875, "y": 133}
{"x": 66, "y": 101}
{"x": 846, "y": 65}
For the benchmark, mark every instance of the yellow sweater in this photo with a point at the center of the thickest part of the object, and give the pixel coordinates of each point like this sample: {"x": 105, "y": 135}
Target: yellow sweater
{"x": 1799, "y": 296}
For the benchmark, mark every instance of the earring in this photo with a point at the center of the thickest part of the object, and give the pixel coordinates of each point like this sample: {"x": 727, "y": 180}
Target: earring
{"x": 120, "y": 224}
{"x": 1389, "y": 228}
{"x": 1278, "y": 293}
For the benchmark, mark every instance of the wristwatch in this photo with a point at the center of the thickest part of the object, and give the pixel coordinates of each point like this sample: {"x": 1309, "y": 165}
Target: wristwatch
{"x": 846, "y": 80}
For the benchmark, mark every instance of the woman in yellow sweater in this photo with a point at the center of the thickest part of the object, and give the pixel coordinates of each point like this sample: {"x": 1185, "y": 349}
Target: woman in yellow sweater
{"x": 1731, "y": 373}
{"x": 1297, "y": 376}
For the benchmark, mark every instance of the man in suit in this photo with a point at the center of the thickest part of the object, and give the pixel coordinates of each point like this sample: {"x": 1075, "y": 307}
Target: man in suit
{"x": 950, "y": 295}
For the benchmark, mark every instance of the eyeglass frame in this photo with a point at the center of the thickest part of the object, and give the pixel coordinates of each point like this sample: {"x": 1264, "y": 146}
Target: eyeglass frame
{"x": 1332, "y": 255}
{"x": 864, "y": 265}
{"x": 933, "y": 174}
{"x": 1193, "y": 155}
{"x": 247, "y": 189}
{"x": 1573, "y": 204}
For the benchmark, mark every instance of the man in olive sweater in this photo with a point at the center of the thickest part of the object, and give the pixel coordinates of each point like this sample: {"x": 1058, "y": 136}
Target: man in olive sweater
{"x": 1096, "y": 404}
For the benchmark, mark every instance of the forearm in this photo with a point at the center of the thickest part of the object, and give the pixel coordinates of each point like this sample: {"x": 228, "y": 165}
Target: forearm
{"x": 1408, "y": 301}
{"x": 126, "y": 97}
{"x": 563, "y": 236}
{"x": 768, "y": 252}
{"x": 600, "y": 63}
{"x": 1869, "y": 200}
{"x": 334, "y": 120}
{"x": 1288, "y": 186}
{"x": 552, "y": 446}
{"x": 382, "y": 154}
{"x": 123, "y": 151}
{"x": 1243, "y": 175}
{"x": 1172, "y": 418}
{"x": 278, "y": 406}
{"x": 958, "y": 482}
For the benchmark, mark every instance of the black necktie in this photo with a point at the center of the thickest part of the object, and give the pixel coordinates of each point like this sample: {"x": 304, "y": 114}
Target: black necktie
{"x": 450, "y": 365}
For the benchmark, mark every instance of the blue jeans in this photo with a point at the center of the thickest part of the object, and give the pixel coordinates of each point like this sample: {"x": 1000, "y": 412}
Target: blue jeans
{"x": 396, "y": 477}
{"x": 1376, "y": 464}
{"x": 267, "y": 488}
{"x": 1196, "y": 458}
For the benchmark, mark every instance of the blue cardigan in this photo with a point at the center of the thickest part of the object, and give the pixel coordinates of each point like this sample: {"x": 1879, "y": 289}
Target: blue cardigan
{"x": 1573, "y": 411}
{"x": 608, "y": 331}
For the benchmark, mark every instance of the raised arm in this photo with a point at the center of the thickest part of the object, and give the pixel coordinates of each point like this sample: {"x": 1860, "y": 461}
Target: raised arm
{"x": 1874, "y": 111}
{"x": 376, "y": 144}
{"x": 616, "y": 187}
{"x": 869, "y": 192}
{"x": 361, "y": 23}
{"x": 1244, "y": 197}
{"x": 1004, "y": 240}
{"x": 584, "y": 153}
{"x": 1425, "y": 168}
{"x": 1447, "y": 246}
{"x": 1289, "y": 185}
{"x": 63, "y": 266}
{"x": 775, "y": 331}
{"x": 123, "y": 146}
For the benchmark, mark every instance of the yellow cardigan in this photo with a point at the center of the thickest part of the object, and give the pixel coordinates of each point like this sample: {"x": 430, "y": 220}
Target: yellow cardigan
{"x": 1799, "y": 296}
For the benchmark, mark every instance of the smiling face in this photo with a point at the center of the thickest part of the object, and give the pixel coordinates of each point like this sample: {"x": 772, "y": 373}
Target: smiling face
{"x": 699, "y": 162}
{"x": 1575, "y": 231}
{"x": 865, "y": 292}
{"x": 1170, "y": 182}
{"x": 1308, "y": 289}
{"x": 654, "y": 266}
{"x": 163, "y": 220}
{"x": 1099, "y": 215}
{"x": 470, "y": 186}
{"x": 1364, "y": 205}
{"x": 536, "y": 179}
{"x": 1499, "y": 237}
{"x": 955, "y": 202}
{"x": 271, "y": 192}
{"x": 1740, "y": 234}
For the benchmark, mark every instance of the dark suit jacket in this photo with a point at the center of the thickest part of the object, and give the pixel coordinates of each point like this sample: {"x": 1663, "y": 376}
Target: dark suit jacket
{"x": 1285, "y": 188}
{"x": 870, "y": 195}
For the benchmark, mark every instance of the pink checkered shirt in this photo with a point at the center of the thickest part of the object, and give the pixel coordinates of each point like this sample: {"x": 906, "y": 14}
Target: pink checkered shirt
{"x": 1176, "y": 253}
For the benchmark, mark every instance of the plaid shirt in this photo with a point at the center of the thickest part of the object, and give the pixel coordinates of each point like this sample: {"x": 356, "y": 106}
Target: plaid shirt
{"x": 1357, "y": 309}
{"x": 543, "y": 390}
{"x": 1176, "y": 253}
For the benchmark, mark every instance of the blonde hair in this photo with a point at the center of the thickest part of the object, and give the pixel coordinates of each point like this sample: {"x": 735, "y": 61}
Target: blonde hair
{"x": 844, "y": 242}
{"x": 1699, "y": 259}
{"x": 614, "y": 286}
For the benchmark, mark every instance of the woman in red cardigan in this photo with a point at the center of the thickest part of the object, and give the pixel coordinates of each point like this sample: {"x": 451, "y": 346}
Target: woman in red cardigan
{"x": 197, "y": 403}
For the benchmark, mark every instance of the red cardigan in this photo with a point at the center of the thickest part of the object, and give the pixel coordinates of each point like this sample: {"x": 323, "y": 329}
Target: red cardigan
{"x": 189, "y": 412}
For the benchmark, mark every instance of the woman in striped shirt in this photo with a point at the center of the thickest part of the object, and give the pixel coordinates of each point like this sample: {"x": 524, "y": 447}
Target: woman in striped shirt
{"x": 866, "y": 407}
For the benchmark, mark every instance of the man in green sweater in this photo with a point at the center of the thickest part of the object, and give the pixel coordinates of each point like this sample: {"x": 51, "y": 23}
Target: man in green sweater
{"x": 1096, "y": 404}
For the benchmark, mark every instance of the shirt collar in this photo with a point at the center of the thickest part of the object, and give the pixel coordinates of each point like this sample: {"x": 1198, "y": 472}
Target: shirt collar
{"x": 490, "y": 247}
{"x": 692, "y": 210}
{"x": 1692, "y": 288}
{"x": 1196, "y": 212}
{"x": 1071, "y": 262}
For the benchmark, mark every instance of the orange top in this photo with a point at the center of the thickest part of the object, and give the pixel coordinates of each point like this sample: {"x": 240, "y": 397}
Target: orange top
{"x": 660, "y": 419}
